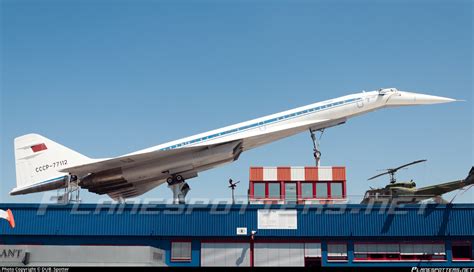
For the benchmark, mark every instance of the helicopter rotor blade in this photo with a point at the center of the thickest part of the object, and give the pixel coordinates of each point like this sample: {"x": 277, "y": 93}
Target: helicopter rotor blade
{"x": 393, "y": 170}
{"x": 379, "y": 175}
{"x": 408, "y": 164}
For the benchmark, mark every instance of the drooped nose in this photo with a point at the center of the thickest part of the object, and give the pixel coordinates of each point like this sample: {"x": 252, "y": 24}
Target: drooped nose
{"x": 406, "y": 98}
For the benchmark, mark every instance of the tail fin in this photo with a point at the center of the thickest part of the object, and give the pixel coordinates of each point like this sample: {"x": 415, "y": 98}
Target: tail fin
{"x": 470, "y": 177}
{"x": 38, "y": 161}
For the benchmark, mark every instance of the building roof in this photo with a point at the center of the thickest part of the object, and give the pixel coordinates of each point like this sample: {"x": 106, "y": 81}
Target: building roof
{"x": 353, "y": 220}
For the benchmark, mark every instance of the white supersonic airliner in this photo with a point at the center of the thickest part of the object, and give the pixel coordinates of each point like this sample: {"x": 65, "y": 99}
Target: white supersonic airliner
{"x": 43, "y": 165}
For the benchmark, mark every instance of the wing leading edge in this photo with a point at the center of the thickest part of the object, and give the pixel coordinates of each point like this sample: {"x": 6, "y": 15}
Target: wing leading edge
{"x": 128, "y": 176}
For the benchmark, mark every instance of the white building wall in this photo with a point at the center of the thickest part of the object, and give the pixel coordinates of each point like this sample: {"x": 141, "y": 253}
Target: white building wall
{"x": 279, "y": 254}
{"x": 325, "y": 173}
{"x": 45, "y": 255}
{"x": 270, "y": 174}
{"x": 225, "y": 254}
{"x": 297, "y": 173}
{"x": 312, "y": 250}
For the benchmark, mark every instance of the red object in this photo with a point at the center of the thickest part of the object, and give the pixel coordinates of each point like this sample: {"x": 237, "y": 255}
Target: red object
{"x": 311, "y": 173}
{"x": 339, "y": 173}
{"x": 284, "y": 173}
{"x": 38, "y": 147}
{"x": 256, "y": 173}
{"x": 11, "y": 219}
{"x": 299, "y": 175}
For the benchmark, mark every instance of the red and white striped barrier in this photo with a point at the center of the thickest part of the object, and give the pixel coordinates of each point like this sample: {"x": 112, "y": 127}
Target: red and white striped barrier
{"x": 8, "y": 215}
{"x": 294, "y": 173}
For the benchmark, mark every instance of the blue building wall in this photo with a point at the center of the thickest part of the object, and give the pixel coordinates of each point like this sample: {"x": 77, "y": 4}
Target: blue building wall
{"x": 159, "y": 225}
{"x": 351, "y": 263}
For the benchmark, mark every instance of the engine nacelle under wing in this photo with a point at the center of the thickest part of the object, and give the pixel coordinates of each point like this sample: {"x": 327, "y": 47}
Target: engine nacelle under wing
{"x": 127, "y": 178}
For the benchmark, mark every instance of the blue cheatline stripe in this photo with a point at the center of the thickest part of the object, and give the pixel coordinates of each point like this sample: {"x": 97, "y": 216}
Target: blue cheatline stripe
{"x": 45, "y": 182}
{"x": 235, "y": 130}
{"x": 266, "y": 122}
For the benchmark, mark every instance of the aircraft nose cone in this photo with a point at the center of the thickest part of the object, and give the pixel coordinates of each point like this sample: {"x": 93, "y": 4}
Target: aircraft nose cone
{"x": 408, "y": 98}
{"x": 431, "y": 99}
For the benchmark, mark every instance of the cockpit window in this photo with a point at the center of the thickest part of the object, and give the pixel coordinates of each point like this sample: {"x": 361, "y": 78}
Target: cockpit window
{"x": 387, "y": 90}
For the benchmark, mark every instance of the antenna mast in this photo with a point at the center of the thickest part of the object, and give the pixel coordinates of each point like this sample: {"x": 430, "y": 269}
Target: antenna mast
{"x": 232, "y": 187}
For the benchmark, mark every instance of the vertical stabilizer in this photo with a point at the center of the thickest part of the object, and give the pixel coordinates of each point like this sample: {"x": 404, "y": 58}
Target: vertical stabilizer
{"x": 37, "y": 161}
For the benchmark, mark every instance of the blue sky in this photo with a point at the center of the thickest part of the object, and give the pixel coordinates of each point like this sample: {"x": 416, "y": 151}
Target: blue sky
{"x": 110, "y": 77}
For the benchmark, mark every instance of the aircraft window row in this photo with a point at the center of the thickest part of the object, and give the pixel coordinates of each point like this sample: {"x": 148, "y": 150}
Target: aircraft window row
{"x": 262, "y": 123}
{"x": 271, "y": 120}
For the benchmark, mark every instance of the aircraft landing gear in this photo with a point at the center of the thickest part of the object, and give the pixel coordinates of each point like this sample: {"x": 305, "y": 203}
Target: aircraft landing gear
{"x": 316, "y": 151}
{"x": 70, "y": 193}
{"x": 179, "y": 188}
{"x": 174, "y": 179}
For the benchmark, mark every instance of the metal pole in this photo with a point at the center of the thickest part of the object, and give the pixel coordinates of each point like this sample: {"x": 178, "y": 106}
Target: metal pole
{"x": 252, "y": 249}
{"x": 233, "y": 199}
